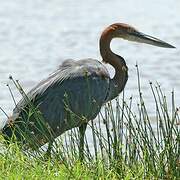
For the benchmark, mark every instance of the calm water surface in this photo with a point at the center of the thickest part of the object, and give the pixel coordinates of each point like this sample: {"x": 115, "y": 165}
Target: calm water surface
{"x": 37, "y": 35}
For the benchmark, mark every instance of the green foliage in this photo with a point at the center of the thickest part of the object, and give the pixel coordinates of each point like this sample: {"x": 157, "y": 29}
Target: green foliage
{"x": 125, "y": 145}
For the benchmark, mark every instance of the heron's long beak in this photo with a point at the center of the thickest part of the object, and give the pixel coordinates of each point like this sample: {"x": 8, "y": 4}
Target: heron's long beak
{"x": 143, "y": 38}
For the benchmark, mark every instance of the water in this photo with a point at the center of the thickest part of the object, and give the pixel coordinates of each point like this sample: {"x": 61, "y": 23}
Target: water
{"x": 37, "y": 35}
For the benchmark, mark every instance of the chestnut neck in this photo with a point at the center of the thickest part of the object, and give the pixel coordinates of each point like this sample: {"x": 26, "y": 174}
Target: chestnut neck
{"x": 117, "y": 83}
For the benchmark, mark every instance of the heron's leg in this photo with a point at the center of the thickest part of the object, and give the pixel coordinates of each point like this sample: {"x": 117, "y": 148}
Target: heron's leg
{"x": 82, "y": 130}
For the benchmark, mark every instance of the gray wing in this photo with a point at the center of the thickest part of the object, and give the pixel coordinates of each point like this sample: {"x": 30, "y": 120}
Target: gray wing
{"x": 85, "y": 82}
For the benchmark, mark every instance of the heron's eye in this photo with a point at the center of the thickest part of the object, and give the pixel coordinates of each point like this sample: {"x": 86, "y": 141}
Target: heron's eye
{"x": 131, "y": 30}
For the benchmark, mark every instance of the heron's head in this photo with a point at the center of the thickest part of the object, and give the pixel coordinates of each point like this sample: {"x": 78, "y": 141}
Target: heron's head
{"x": 128, "y": 32}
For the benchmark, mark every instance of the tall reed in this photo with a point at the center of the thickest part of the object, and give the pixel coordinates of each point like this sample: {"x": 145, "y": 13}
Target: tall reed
{"x": 122, "y": 139}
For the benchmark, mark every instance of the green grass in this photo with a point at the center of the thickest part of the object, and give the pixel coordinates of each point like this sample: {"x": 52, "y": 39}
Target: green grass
{"x": 124, "y": 145}
{"x": 15, "y": 165}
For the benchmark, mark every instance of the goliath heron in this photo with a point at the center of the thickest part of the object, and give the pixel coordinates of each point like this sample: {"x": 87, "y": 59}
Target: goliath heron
{"x": 80, "y": 87}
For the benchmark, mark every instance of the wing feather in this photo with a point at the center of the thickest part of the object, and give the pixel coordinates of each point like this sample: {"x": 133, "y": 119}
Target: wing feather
{"x": 48, "y": 95}
{"x": 69, "y": 69}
